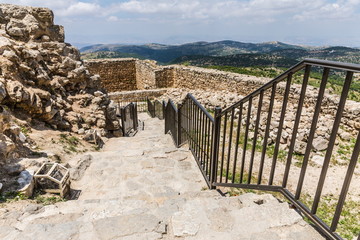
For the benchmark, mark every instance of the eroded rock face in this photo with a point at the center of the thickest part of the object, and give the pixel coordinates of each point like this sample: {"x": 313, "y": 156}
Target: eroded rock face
{"x": 43, "y": 76}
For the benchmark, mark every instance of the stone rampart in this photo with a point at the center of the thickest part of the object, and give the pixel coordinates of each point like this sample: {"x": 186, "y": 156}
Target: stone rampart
{"x": 145, "y": 74}
{"x": 116, "y": 74}
{"x": 210, "y": 79}
{"x": 164, "y": 77}
{"x": 128, "y": 96}
{"x": 131, "y": 74}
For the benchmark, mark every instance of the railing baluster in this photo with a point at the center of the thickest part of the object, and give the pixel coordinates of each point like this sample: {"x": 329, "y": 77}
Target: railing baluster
{"x": 202, "y": 139}
{"x": 312, "y": 132}
{"x": 188, "y": 119}
{"x": 223, "y": 148}
{"x": 339, "y": 113}
{"x": 255, "y": 136}
{"x": 210, "y": 146}
{"x": 209, "y": 132}
{"x": 193, "y": 126}
{"x": 206, "y": 144}
{"x": 179, "y": 125}
{"x": 230, "y": 142}
{"x": 281, "y": 123}
{"x": 245, "y": 140}
{"x": 190, "y": 123}
{"x": 345, "y": 187}
{"x": 215, "y": 146}
{"x": 197, "y": 132}
{"x": 267, "y": 130}
{"x": 296, "y": 124}
{"x": 237, "y": 141}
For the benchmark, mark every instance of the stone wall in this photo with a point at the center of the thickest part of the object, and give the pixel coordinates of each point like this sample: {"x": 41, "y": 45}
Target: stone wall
{"x": 131, "y": 74}
{"x": 209, "y": 79}
{"x": 164, "y": 77}
{"x": 128, "y": 96}
{"x": 145, "y": 74}
{"x": 116, "y": 74}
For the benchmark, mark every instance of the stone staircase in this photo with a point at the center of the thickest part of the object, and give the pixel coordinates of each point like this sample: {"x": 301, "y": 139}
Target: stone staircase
{"x": 145, "y": 188}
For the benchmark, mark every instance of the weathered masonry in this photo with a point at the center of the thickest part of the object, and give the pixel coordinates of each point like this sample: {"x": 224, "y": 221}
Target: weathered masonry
{"x": 131, "y": 74}
{"x": 126, "y": 74}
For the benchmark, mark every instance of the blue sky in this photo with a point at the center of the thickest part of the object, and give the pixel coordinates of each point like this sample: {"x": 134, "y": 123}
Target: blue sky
{"x": 315, "y": 22}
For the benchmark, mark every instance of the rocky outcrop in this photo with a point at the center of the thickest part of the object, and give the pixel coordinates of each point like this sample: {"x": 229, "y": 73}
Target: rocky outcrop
{"x": 43, "y": 77}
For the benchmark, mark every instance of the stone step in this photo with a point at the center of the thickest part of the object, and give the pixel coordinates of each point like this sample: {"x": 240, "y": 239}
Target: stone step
{"x": 145, "y": 188}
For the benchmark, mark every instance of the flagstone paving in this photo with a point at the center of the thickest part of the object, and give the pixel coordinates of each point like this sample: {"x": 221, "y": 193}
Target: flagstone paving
{"x": 144, "y": 188}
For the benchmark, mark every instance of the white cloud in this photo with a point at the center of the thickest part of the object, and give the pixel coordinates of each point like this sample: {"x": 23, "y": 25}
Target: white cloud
{"x": 251, "y": 10}
{"x": 112, "y": 19}
{"x": 66, "y": 8}
{"x": 339, "y": 10}
{"x": 248, "y": 10}
{"x": 80, "y": 8}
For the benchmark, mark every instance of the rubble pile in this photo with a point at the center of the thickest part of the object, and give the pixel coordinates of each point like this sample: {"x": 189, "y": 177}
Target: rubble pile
{"x": 43, "y": 79}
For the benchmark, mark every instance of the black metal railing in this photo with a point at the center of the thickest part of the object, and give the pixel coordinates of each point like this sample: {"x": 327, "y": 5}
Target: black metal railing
{"x": 159, "y": 109}
{"x": 129, "y": 119}
{"x": 150, "y": 108}
{"x": 171, "y": 122}
{"x": 156, "y": 108}
{"x": 140, "y": 102}
{"x": 243, "y": 146}
{"x": 197, "y": 127}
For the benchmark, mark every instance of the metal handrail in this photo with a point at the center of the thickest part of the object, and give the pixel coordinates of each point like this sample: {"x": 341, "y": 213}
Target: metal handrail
{"x": 215, "y": 158}
{"x": 129, "y": 118}
{"x": 196, "y": 102}
{"x": 292, "y": 70}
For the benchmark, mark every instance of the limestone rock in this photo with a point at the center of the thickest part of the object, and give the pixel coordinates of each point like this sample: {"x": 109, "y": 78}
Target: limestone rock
{"x": 13, "y": 169}
{"x": 3, "y": 92}
{"x": 300, "y": 147}
{"x": 6, "y": 146}
{"x": 43, "y": 77}
{"x": 94, "y": 137}
{"x": 26, "y": 182}
{"x": 78, "y": 171}
{"x": 320, "y": 144}
{"x": 318, "y": 160}
{"x": 345, "y": 135}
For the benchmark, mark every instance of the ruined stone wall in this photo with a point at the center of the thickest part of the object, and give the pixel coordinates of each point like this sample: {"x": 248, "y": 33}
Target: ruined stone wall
{"x": 165, "y": 77}
{"x": 136, "y": 95}
{"x": 209, "y": 79}
{"x": 148, "y": 75}
{"x": 43, "y": 80}
{"x": 145, "y": 74}
{"x": 115, "y": 74}
{"x": 131, "y": 74}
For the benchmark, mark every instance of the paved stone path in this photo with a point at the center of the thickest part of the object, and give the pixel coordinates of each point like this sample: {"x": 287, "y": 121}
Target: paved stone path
{"x": 145, "y": 188}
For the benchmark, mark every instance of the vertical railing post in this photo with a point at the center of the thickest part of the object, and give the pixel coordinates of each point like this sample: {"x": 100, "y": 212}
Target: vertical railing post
{"x": 215, "y": 146}
{"x": 163, "y": 108}
{"x": 166, "y": 118}
{"x": 122, "y": 114}
{"x": 178, "y": 115}
{"x": 134, "y": 115}
{"x": 149, "y": 106}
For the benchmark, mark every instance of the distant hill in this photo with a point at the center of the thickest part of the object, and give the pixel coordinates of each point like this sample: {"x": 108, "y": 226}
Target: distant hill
{"x": 342, "y": 54}
{"x": 167, "y": 53}
{"x": 110, "y": 54}
{"x": 237, "y": 60}
{"x": 224, "y": 53}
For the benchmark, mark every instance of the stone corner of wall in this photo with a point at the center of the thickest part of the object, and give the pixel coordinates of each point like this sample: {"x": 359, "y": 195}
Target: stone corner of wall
{"x": 105, "y": 60}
